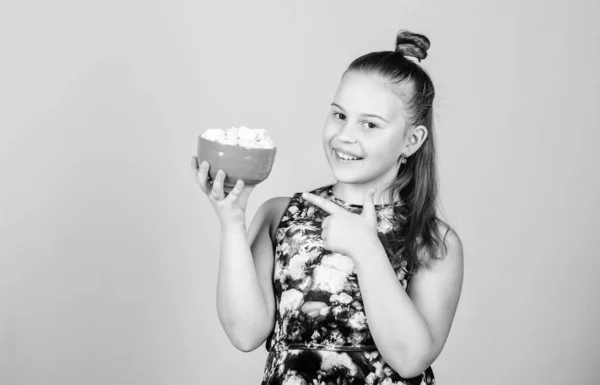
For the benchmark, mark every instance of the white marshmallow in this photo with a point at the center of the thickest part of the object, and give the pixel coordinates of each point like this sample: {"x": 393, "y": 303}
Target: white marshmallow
{"x": 242, "y": 136}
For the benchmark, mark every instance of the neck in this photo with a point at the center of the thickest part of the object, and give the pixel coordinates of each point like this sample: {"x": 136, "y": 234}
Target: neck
{"x": 355, "y": 193}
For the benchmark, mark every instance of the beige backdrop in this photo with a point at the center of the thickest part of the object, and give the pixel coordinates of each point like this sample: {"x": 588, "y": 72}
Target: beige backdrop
{"x": 109, "y": 251}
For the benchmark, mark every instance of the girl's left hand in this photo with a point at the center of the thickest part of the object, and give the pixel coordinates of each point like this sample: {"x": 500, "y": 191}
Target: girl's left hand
{"x": 345, "y": 232}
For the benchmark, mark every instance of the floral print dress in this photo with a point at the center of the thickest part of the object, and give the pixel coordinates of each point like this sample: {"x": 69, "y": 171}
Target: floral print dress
{"x": 321, "y": 334}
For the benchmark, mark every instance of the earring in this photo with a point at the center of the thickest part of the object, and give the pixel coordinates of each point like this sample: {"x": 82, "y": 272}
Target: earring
{"x": 403, "y": 158}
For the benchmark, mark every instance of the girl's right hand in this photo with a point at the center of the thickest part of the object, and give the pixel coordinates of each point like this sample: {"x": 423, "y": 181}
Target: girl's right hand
{"x": 230, "y": 206}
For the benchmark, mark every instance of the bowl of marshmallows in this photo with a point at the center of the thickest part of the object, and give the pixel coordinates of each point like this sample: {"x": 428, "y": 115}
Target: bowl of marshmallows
{"x": 243, "y": 153}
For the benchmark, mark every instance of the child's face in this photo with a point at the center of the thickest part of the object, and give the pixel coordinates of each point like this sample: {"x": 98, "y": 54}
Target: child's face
{"x": 350, "y": 127}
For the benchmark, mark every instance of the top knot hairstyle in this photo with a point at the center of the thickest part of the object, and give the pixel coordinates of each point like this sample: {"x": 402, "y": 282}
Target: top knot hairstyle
{"x": 417, "y": 239}
{"x": 412, "y": 44}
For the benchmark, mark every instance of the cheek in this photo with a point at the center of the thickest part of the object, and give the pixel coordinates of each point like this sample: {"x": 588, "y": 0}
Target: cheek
{"x": 386, "y": 151}
{"x": 325, "y": 135}
{"x": 328, "y": 131}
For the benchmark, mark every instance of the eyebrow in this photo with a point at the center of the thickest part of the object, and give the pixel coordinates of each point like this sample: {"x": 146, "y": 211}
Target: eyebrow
{"x": 370, "y": 115}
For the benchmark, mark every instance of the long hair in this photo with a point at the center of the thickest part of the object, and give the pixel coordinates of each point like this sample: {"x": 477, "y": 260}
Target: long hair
{"x": 416, "y": 239}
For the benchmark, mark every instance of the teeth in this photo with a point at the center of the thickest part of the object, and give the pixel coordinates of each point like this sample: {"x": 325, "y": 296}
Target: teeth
{"x": 344, "y": 156}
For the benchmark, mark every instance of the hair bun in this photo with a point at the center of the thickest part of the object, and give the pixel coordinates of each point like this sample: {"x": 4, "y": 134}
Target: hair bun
{"x": 412, "y": 44}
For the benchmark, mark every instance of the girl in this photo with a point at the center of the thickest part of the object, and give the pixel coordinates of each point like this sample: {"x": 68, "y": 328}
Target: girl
{"x": 343, "y": 290}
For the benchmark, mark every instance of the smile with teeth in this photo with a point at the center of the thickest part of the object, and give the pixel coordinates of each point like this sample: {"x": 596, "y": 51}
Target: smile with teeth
{"x": 344, "y": 156}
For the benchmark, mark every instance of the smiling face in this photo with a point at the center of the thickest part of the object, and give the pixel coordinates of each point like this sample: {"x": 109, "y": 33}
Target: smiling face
{"x": 367, "y": 120}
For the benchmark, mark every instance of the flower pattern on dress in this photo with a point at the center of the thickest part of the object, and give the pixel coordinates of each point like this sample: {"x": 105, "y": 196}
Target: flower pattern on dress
{"x": 321, "y": 334}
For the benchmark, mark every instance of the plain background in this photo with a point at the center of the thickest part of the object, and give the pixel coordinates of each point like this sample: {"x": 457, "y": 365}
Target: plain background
{"x": 109, "y": 251}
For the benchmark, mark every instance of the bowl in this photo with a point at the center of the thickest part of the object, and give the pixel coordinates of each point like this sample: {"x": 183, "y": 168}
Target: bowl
{"x": 252, "y": 165}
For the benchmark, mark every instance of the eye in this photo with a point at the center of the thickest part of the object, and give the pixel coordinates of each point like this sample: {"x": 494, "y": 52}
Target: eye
{"x": 371, "y": 125}
{"x": 339, "y": 115}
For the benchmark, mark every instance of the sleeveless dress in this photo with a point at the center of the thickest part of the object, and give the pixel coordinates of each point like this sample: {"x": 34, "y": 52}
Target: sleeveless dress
{"x": 321, "y": 334}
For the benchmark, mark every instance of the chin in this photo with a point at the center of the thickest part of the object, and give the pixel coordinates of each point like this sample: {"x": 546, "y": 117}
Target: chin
{"x": 344, "y": 175}
{"x": 347, "y": 176}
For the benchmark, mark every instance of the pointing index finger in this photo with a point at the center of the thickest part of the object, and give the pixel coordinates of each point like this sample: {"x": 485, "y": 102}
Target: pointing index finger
{"x": 323, "y": 203}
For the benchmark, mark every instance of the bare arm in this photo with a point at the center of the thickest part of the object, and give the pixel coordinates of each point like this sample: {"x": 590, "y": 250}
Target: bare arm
{"x": 245, "y": 299}
{"x": 411, "y": 328}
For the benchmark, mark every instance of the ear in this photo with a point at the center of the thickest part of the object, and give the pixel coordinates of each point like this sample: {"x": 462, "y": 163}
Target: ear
{"x": 415, "y": 139}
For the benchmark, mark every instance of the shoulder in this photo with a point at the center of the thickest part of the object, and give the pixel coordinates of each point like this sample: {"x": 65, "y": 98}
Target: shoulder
{"x": 277, "y": 205}
{"x": 440, "y": 283}
{"x": 274, "y": 209}
{"x": 450, "y": 253}
{"x": 451, "y": 240}
{"x": 449, "y": 261}
{"x": 453, "y": 243}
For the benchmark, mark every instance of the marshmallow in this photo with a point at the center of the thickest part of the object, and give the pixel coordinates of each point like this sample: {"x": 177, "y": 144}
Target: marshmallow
{"x": 242, "y": 136}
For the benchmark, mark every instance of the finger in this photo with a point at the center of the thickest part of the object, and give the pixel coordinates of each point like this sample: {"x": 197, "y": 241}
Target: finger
{"x": 194, "y": 168}
{"x": 217, "y": 187}
{"x": 323, "y": 203}
{"x": 369, "y": 204}
{"x": 202, "y": 176}
{"x": 237, "y": 191}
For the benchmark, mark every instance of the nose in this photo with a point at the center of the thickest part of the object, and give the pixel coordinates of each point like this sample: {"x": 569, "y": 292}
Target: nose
{"x": 346, "y": 133}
